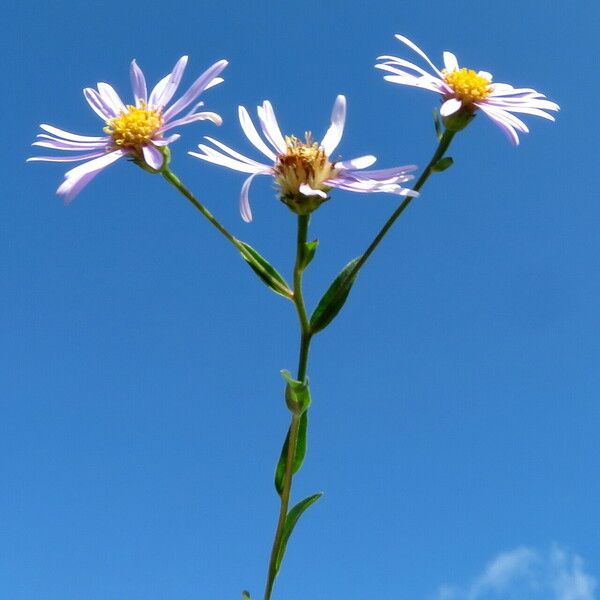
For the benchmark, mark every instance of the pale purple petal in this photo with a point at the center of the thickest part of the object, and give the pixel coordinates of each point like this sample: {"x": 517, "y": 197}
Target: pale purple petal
{"x": 195, "y": 89}
{"x": 524, "y": 110}
{"x": 166, "y": 141}
{"x": 174, "y": 79}
{"x": 450, "y": 107}
{"x": 233, "y": 153}
{"x": 361, "y": 162}
{"x": 203, "y": 116}
{"x": 418, "y": 51}
{"x": 76, "y": 179}
{"x": 153, "y": 157}
{"x": 252, "y": 134}
{"x": 419, "y": 82}
{"x": 98, "y": 105}
{"x": 506, "y": 127}
{"x": 211, "y": 155}
{"x": 485, "y": 75}
{"x": 71, "y": 136}
{"x": 305, "y": 189}
{"x": 244, "y": 198}
{"x": 395, "y": 60}
{"x": 51, "y": 142}
{"x": 157, "y": 92}
{"x": 450, "y": 62}
{"x": 338, "y": 119}
{"x": 270, "y": 127}
{"x": 66, "y": 158}
{"x": 111, "y": 98}
{"x": 138, "y": 84}
{"x": 391, "y": 173}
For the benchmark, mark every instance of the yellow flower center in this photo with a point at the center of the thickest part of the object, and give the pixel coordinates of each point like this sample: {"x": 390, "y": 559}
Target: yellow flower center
{"x": 467, "y": 85}
{"x": 134, "y": 128}
{"x": 302, "y": 163}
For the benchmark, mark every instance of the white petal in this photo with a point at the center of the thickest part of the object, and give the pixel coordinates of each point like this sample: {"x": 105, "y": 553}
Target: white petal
{"x": 362, "y": 162}
{"x": 308, "y": 191}
{"x": 211, "y": 155}
{"x": 71, "y": 136}
{"x": 450, "y": 62}
{"x": 450, "y": 107}
{"x": 252, "y": 134}
{"x": 338, "y": 119}
{"x": 233, "y": 153}
{"x": 418, "y": 50}
{"x": 270, "y": 127}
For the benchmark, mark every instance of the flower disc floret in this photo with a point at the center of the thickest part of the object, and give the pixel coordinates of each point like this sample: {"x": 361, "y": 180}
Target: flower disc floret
{"x": 468, "y": 85}
{"x": 134, "y": 128}
{"x": 302, "y": 163}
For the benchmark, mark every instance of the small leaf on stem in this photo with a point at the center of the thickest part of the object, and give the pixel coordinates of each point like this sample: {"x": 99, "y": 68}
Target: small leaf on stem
{"x": 309, "y": 252}
{"x": 265, "y": 271}
{"x": 290, "y": 523}
{"x": 443, "y": 164}
{"x": 297, "y": 393}
{"x": 245, "y": 595}
{"x": 299, "y": 454}
{"x": 333, "y": 299}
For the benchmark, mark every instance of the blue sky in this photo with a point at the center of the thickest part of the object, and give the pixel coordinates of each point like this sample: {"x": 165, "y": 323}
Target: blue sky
{"x": 455, "y": 415}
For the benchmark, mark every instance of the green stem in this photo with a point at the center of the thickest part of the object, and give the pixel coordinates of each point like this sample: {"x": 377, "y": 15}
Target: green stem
{"x": 305, "y": 337}
{"x": 176, "y": 183}
{"x": 443, "y": 145}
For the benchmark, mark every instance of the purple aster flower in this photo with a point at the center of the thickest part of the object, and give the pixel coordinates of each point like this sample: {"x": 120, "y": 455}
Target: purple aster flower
{"x": 464, "y": 91}
{"x": 303, "y": 170}
{"x": 136, "y": 130}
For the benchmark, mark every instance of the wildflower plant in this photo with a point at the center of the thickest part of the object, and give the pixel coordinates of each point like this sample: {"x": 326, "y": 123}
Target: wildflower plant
{"x": 306, "y": 173}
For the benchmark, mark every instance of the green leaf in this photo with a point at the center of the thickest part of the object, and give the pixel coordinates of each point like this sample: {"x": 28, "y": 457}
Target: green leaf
{"x": 245, "y": 595}
{"x": 265, "y": 271}
{"x": 290, "y": 523}
{"x": 309, "y": 252}
{"x": 333, "y": 299}
{"x": 443, "y": 164}
{"x": 297, "y": 393}
{"x": 298, "y": 455}
{"x": 439, "y": 132}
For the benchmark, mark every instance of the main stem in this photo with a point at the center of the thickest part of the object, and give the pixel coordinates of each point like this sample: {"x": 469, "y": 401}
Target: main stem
{"x": 305, "y": 337}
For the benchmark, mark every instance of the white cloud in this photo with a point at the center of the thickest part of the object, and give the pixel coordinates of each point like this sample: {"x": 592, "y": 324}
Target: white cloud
{"x": 527, "y": 574}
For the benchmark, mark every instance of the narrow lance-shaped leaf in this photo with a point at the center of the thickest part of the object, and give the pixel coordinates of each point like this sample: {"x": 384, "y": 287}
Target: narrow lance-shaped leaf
{"x": 265, "y": 271}
{"x": 290, "y": 523}
{"x": 333, "y": 299}
{"x": 298, "y": 455}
